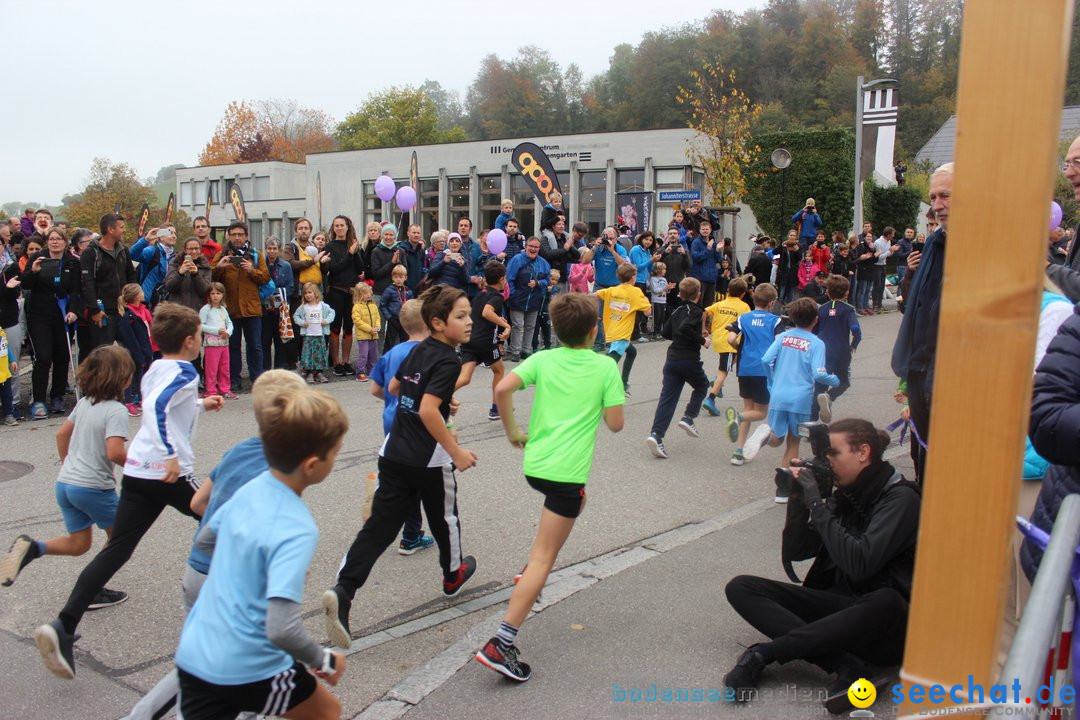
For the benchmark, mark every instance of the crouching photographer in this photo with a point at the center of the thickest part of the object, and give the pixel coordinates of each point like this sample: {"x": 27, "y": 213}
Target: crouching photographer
{"x": 850, "y": 613}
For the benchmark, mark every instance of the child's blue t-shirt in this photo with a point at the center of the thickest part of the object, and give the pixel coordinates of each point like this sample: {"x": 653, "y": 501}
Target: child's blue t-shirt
{"x": 383, "y": 372}
{"x": 239, "y": 465}
{"x": 266, "y": 538}
{"x": 793, "y": 362}
{"x": 758, "y": 328}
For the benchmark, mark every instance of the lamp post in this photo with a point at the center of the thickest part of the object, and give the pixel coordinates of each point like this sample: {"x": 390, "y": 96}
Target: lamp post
{"x": 860, "y": 89}
{"x": 780, "y": 159}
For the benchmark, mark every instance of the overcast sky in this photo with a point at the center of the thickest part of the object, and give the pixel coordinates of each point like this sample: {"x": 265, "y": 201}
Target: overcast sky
{"x": 143, "y": 83}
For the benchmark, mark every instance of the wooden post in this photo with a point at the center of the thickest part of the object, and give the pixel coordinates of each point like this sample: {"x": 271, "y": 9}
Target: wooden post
{"x": 1013, "y": 62}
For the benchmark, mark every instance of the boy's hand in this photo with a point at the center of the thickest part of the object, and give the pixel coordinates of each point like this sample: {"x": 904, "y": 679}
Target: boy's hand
{"x": 339, "y": 670}
{"x": 504, "y": 334}
{"x": 213, "y": 402}
{"x": 172, "y": 471}
{"x": 463, "y": 459}
{"x": 14, "y": 367}
{"x": 905, "y": 413}
{"x": 900, "y": 397}
{"x": 708, "y": 341}
{"x": 455, "y": 405}
{"x": 517, "y": 438}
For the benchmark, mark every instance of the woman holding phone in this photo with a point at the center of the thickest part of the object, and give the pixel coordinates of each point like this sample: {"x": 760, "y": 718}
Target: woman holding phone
{"x": 52, "y": 277}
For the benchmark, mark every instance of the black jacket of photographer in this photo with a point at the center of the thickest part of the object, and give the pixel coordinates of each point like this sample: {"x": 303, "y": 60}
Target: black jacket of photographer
{"x": 866, "y": 534}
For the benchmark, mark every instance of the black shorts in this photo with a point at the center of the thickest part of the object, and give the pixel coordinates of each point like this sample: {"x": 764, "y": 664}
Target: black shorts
{"x": 561, "y": 498}
{"x": 754, "y": 387}
{"x": 201, "y": 700}
{"x": 487, "y": 358}
{"x": 727, "y": 362}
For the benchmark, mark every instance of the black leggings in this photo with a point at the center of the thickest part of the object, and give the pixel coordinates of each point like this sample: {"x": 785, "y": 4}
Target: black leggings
{"x": 630, "y": 355}
{"x": 48, "y": 335}
{"x": 341, "y": 301}
{"x": 820, "y": 626}
{"x": 141, "y": 501}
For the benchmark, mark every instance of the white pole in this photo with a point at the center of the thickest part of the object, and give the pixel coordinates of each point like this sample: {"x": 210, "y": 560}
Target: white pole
{"x": 858, "y": 154}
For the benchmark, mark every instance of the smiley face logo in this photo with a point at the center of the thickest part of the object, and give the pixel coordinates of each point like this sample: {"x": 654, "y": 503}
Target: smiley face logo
{"x": 862, "y": 693}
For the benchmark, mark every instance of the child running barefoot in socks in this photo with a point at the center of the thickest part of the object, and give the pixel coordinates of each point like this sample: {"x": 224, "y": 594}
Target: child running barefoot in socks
{"x": 794, "y": 363}
{"x": 621, "y": 303}
{"x": 239, "y": 465}
{"x": 575, "y": 388}
{"x": 490, "y": 331}
{"x": 417, "y": 460}
{"x": 158, "y": 473}
{"x": 244, "y": 647}
{"x": 412, "y": 535}
{"x": 90, "y": 443}
{"x": 682, "y": 366}
{"x": 753, "y": 334}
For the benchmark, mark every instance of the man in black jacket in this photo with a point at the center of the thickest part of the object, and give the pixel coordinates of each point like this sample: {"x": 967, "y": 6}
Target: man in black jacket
{"x": 851, "y": 611}
{"x": 106, "y": 268}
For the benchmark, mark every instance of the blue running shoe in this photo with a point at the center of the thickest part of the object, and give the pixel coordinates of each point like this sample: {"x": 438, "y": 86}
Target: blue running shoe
{"x": 710, "y": 407}
{"x": 408, "y": 547}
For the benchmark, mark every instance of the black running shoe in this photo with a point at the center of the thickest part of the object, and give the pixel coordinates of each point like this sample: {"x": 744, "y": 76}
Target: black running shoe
{"x": 465, "y": 571}
{"x": 107, "y": 598}
{"x": 57, "y": 649}
{"x": 504, "y": 660}
{"x": 22, "y": 551}
{"x": 348, "y": 368}
{"x": 339, "y": 370}
{"x": 336, "y": 605}
{"x": 745, "y": 676}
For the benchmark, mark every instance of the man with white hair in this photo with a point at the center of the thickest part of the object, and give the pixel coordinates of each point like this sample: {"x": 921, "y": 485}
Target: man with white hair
{"x": 916, "y": 342}
{"x": 1067, "y": 275}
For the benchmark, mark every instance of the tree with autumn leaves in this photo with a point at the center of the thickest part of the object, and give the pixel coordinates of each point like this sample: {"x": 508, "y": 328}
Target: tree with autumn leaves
{"x": 723, "y": 117}
{"x": 268, "y": 130}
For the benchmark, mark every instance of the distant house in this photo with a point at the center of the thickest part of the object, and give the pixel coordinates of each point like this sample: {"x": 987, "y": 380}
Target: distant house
{"x": 941, "y": 148}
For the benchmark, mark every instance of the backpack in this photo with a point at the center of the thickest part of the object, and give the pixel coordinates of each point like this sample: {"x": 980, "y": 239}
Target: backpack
{"x": 268, "y": 289}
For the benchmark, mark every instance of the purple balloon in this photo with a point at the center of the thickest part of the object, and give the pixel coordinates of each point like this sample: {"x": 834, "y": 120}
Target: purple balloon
{"x": 1055, "y": 215}
{"x": 406, "y": 198}
{"x": 384, "y": 188}
{"x": 496, "y": 241}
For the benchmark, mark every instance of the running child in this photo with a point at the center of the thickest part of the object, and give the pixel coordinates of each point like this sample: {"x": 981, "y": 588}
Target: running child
{"x": 133, "y": 334}
{"x": 752, "y": 333}
{"x": 313, "y": 318}
{"x": 417, "y": 460}
{"x": 90, "y": 443}
{"x": 243, "y": 647}
{"x": 217, "y": 327}
{"x": 838, "y": 327}
{"x": 158, "y": 473}
{"x": 394, "y": 296}
{"x": 621, "y": 302}
{"x": 574, "y": 389}
{"x": 794, "y": 362}
{"x": 366, "y": 325}
{"x": 683, "y": 366}
{"x": 718, "y": 317}
{"x": 412, "y": 535}
{"x": 659, "y": 287}
{"x": 490, "y": 331}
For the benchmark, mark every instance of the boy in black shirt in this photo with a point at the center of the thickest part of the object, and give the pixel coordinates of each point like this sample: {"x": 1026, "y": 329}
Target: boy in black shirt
{"x": 485, "y": 342}
{"x": 417, "y": 460}
{"x": 686, "y": 330}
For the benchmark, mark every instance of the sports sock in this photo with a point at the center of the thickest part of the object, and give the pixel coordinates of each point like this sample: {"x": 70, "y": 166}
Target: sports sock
{"x": 506, "y": 634}
{"x": 38, "y": 549}
{"x": 712, "y": 396}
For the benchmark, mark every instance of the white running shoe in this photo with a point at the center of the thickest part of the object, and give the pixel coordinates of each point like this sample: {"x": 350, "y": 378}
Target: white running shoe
{"x": 756, "y": 440}
{"x": 824, "y": 408}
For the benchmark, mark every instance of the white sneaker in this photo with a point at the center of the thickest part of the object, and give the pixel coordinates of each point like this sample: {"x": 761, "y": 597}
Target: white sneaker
{"x": 756, "y": 440}
{"x": 656, "y": 446}
{"x": 824, "y": 407}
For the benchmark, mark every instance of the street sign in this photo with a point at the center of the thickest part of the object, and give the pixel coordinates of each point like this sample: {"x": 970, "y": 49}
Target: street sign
{"x": 679, "y": 195}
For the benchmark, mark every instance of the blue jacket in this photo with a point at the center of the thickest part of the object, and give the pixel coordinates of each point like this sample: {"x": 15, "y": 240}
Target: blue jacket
{"x": 135, "y": 338}
{"x": 474, "y": 264}
{"x": 449, "y": 272}
{"x": 916, "y": 341}
{"x": 144, "y": 253}
{"x": 642, "y": 260}
{"x": 390, "y": 302}
{"x": 1055, "y": 431}
{"x": 808, "y": 223}
{"x": 519, "y": 272}
{"x": 703, "y": 261}
{"x": 514, "y": 245}
{"x": 282, "y": 275}
{"x": 413, "y": 258}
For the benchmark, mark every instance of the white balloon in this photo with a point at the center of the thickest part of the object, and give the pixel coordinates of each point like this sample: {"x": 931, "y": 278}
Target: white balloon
{"x": 312, "y": 251}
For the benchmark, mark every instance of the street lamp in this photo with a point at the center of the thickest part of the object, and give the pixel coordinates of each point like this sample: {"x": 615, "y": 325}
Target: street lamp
{"x": 860, "y": 90}
{"x": 781, "y": 158}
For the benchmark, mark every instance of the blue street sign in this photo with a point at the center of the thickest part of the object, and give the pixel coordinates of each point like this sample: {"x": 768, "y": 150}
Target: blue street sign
{"x": 679, "y": 195}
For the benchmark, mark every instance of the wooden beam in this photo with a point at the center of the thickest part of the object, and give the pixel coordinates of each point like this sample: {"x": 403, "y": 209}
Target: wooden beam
{"x": 1013, "y": 62}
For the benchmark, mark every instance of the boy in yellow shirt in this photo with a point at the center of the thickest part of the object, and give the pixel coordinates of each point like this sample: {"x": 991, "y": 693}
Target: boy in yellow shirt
{"x": 718, "y": 317}
{"x": 621, "y": 303}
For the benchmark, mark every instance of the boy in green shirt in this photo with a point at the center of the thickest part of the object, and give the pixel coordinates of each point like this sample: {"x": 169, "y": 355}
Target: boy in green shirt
{"x": 575, "y": 388}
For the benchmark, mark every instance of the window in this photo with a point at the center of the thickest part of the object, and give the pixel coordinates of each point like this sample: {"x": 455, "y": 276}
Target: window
{"x": 255, "y": 229}
{"x": 629, "y": 180}
{"x": 490, "y": 198}
{"x": 428, "y": 210}
{"x": 524, "y": 206}
{"x": 215, "y": 191}
{"x": 275, "y": 230}
{"x": 185, "y": 193}
{"x": 593, "y": 201}
{"x": 262, "y": 188}
{"x": 373, "y": 206}
{"x": 459, "y": 199}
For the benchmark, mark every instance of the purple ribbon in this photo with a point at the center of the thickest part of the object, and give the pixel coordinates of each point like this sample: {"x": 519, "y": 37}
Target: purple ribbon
{"x": 904, "y": 425}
